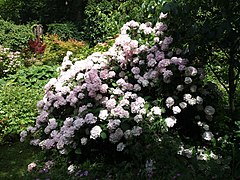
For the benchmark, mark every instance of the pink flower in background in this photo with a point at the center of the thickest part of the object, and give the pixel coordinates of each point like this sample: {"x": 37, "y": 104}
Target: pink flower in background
{"x": 104, "y": 74}
{"x": 209, "y": 110}
{"x": 135, "y": 70}
{"x": 120, "y": 146}
{"x": 113, "y": 124}
{"x": 116, "y": 136}
{"x": 167, "y": 40}
{"x": 164, "y": 63}
{"x": 136, "y": 131}
{"x": 162, "y": 15}
{"x": 31, "y": 166}
{"x": 188, "y": 80}
{"x": 111, "y": 103}
{"x": 191, "y": 71}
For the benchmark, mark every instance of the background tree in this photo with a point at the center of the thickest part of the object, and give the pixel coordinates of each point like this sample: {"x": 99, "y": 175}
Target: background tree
{"x": 209, "y": 33}
{"x": 42, "y": 11}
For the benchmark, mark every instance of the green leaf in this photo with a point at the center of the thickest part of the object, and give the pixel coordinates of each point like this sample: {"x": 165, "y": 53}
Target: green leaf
{"x": 125, "y": 126}
{"x": 78, "y": 151}
{"x": 114, "y": 84}
{"x": 103, "y": 135}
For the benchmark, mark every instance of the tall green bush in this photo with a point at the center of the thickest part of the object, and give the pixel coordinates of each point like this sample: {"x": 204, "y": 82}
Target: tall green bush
{"x": 14, "y": 36}
{"x": 64, "y": 31}
{"x": 103, "y": 19}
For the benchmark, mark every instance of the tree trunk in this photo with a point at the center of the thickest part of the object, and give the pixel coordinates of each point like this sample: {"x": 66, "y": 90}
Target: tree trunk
{"x": 231, "y": 84}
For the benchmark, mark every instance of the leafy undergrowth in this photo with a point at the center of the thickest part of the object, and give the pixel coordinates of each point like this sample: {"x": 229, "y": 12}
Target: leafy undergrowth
{"x": 19, "y": 94}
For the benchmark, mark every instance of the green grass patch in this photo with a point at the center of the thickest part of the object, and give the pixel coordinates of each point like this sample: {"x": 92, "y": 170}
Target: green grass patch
{"x": 14, "y": 159}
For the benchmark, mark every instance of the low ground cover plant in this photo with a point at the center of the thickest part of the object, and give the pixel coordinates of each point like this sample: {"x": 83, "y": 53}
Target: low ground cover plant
{"x": 19, "y": 94}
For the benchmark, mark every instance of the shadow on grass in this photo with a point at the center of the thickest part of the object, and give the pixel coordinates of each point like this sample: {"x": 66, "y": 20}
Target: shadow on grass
{"x": 14, "y": 159}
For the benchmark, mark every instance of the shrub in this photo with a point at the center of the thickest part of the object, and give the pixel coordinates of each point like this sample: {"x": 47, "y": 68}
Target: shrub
{"x": 57, "y": 48}
{"x": 14, "y": 36}
{"x": 64, "y": 31}
{"x": 139, "y": 86}
{"x": 36, "y": 46}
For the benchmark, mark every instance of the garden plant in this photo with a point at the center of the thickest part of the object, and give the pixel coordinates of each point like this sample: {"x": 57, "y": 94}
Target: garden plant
{"x": 142, "y": 89}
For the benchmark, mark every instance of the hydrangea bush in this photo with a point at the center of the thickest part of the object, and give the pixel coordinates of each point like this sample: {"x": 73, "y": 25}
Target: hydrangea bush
{"x": 9, "y": 61}
{"x": 116, "y": 95}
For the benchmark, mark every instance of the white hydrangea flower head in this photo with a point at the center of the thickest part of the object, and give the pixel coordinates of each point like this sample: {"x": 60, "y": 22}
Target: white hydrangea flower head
{"x": 185, "y": 152}
{"x": 180, "y": 87}
{"x": 120, "y": 146}
{"x": 208, "y": 135}
{"x": 206, "y": 127}
{"x": 71, "y": 169}
{"x": 199, "y": 100}
{"x": 156, "y": 110}
{"x": 191, "y": 71}
{"x": 171, "y": 121}
{"x": 176, "y": 109}
{"x": 183, "y": 105}
{"x": 193, "y": 88}
{"x": 201, "y": 155}
{"x": 169, "y": 102}
{"x": 103, "y": 114}
{"x": 69, "y": 53}
{"x": 127, "y": 134}
{"x": 95, "y": 132}
{"x": 136, "y": 131}
{"x": 84, "y": 141}
{"x": 192, "y": 101}
{"x": 188, "y": 80}
{"x": 209, "y": 110}
{"x": 138, "y": 118}
{"x": 187, "y": 97}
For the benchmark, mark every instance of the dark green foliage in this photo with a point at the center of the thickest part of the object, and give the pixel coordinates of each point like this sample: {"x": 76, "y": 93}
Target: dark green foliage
{"x": 209, "y": 32}
{"x": 64, "y": 31}
{"x": 14, "y": 36}
{"x": 43, "y": 11}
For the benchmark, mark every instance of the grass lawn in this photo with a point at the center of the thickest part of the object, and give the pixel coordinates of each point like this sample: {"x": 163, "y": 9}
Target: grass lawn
{"x": 14, "y": 159}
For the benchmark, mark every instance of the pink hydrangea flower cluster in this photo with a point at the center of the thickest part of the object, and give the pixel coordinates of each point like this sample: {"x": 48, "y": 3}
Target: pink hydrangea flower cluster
{"x": 109, "y": 95}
